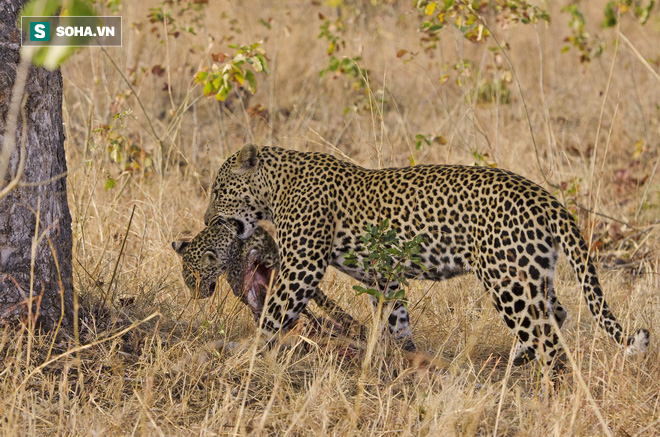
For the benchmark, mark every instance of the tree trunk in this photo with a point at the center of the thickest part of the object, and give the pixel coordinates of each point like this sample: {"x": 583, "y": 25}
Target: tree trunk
{"x": 35, "y": 223}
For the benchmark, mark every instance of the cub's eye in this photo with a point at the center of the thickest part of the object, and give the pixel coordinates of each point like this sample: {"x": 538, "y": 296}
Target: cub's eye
{"x": 210, "y": 258}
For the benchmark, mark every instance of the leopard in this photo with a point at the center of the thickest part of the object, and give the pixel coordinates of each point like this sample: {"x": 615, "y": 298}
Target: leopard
{"x": 250, "y": 266}
{"x": 502, "y": 227}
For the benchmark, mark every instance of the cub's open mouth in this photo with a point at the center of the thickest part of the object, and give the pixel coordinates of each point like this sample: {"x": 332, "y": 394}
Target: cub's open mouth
{"x": 256, "y": 278}
{"x": 213, "y": 285}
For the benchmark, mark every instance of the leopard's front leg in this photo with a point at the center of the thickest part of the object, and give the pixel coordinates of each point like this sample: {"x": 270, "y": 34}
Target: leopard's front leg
{"x": 295, "y": 285}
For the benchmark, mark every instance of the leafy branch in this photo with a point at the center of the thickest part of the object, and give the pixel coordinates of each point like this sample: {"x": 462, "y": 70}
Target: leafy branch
{"x": 386, "y": 257}
{"x": 240, "y": 69}
{"x": 466, "y": 15}
{"x": 332, "y": 31}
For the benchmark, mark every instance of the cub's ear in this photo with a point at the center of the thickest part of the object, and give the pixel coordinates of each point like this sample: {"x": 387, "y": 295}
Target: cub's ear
{"x": 210, "y": 258}
{"x": 247, "y": 160}
{"x": 180, "y": 246}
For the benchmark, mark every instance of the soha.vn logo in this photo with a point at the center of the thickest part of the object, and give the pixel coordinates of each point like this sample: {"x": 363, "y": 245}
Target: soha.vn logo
{"x": 40, "y": 31}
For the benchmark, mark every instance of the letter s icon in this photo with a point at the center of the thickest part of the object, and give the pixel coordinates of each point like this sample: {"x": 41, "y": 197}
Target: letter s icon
{"x": 40, "y": 31}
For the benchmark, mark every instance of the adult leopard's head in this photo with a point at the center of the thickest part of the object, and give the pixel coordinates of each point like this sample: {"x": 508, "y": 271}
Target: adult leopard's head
{"x": 250, "y": 265}
{"x": 235, "y": 194}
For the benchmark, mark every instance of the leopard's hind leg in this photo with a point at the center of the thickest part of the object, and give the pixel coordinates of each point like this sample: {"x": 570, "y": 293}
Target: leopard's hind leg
{"x": 525, "y": 299}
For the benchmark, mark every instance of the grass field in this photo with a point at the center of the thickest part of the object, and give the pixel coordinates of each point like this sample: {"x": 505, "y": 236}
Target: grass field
{"x": 141, "y": 157}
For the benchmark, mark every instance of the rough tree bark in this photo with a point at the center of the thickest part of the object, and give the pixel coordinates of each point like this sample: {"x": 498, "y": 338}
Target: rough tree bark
{"x": 42, "y": 190}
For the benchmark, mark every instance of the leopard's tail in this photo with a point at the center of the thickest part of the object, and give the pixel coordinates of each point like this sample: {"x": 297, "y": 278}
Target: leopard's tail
{"x": 567, "y": 234}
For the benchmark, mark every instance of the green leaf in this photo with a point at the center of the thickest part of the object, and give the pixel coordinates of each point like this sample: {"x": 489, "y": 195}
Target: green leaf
{"x": 252, "y": 82}
{"x": 110, "y": 183}
{"x": 333, "y": 65}
{"x": 223, "y": 92}
{"x": 208, "y": 89}
{"x": 240, "y": 78}
{"x": 346, "y": 63}
{"x": 263, "y": 62}
{"x": 384, "y": 224}
{"x": 370, "y": 291}
{"x": 201, "y": 76}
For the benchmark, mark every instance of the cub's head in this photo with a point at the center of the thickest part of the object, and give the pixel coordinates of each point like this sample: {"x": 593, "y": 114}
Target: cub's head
{"x": 207, "y": 257}
{"x": 235, "y": 194}
{"x": 250, "y": 265}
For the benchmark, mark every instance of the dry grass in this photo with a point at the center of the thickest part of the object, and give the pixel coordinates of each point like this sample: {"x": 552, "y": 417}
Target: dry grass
{"x": 173, "y": 375}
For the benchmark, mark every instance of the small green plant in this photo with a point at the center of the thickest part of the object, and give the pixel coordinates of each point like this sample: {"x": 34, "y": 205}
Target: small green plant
{"x": 384, "y": 256}
{"x": 331, "y": 31}
{"x": 580, "y": 38}
{"x": 346, "y": 66}
{"x": 123, "y": 151}
{"x": 239, "y": 69}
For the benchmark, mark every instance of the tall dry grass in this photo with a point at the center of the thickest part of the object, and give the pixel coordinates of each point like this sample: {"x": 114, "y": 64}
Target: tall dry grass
{"x": 193, "y": 368}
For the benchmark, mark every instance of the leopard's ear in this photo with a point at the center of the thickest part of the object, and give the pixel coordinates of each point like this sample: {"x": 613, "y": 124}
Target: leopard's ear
{"x": 180, "y": 246}
{"x": 247, "y": 160}
{"x": 210, "y": 258}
